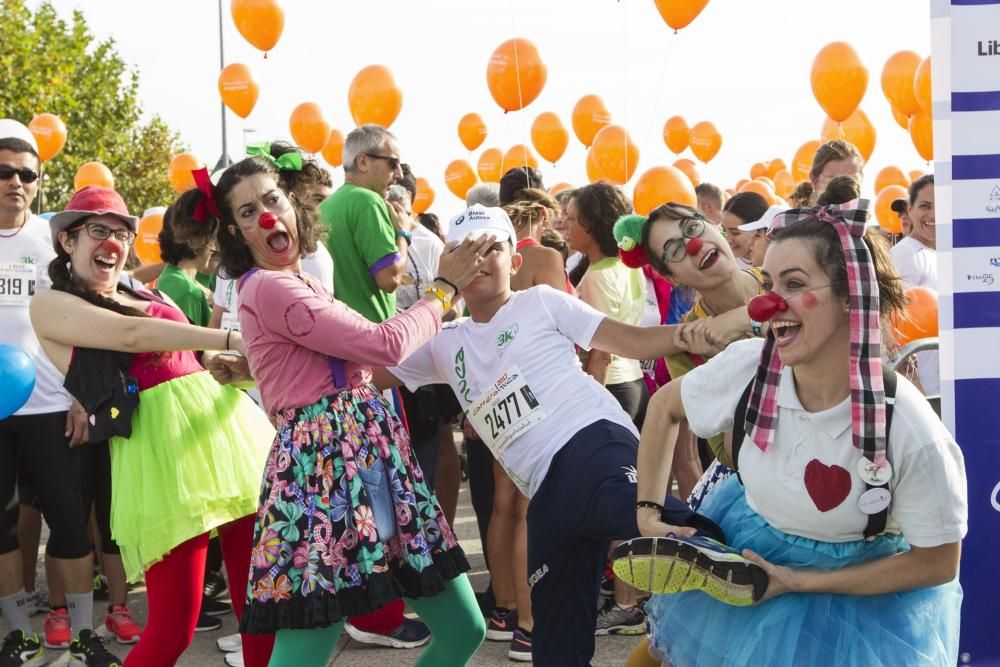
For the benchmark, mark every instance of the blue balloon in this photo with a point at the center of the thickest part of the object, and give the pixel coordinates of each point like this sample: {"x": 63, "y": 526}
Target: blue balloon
{"x": 17, "y": 379}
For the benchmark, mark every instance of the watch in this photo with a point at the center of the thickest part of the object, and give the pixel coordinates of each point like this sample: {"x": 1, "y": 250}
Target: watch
{"x": 400, "y": 234}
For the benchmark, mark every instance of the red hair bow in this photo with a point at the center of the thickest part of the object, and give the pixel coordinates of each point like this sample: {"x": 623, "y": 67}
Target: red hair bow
{"x": 206, "y": 207}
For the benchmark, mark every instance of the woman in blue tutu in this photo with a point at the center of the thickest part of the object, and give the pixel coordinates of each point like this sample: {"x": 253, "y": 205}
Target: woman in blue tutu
{"x": 851, "y": 502}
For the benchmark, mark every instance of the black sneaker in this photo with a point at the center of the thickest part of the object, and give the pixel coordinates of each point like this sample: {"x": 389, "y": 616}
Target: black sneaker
{"x": 89, "y": 650}
{"x": 207, "y": 623}
{"x": 678, "y": 564}
{"x": 100, "y": 587}
{"x": 215, "y": 586}
{"x": 21, "y": 650}
{"x": 215, "y": 607}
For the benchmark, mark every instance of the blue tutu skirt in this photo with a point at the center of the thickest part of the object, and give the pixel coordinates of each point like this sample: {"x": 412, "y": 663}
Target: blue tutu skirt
{"x": 918, "y": 627}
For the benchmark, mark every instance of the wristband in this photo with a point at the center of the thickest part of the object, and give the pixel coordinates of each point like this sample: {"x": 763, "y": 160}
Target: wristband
{"x": 649, "y": 504}
{"x": 439, "y": 294}
{"x": 228, "y": 334}
{"x": 400, "y": 234}
{"x": 448, "y": 283}
{"x": 755, "y": 327}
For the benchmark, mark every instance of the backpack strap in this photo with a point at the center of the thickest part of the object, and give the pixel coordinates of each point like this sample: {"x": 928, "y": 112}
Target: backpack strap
{"x": 877, "y": 521}
{"x": 739, "y": 427}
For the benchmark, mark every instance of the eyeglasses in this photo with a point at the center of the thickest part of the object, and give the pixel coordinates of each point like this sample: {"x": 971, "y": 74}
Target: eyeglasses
{"x": 393, "y": 162}
{"x": 674, "y": 250}
{"x": 99, "y": 232}
{"x": 26, "y": 175}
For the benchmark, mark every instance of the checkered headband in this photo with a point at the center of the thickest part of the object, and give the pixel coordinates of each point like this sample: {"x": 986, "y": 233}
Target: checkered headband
{"x": 867, "y": 391}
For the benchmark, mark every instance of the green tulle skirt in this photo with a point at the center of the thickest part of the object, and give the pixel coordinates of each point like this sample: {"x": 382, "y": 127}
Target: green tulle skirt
{"x": 194, "y": 462}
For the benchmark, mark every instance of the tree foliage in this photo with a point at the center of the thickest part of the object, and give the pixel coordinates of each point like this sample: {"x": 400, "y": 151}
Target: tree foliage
{"x": 56, "y": 66}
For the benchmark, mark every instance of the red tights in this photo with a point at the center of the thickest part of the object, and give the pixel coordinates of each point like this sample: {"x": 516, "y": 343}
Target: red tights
{"x": 174, "y": 589}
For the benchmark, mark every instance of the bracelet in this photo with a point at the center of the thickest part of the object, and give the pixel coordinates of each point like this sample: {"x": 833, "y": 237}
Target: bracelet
{"x": 400, "y": 234}
{"x": 448, "y": 283}
{"x": 229, "y": 332}
{"x": 755, "y": 327}
{"x": 438, "y": 293}
{"x": 648, "y": 504}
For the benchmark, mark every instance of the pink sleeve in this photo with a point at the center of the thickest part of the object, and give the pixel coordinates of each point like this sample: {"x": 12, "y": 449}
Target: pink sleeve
{"x": 290, "y": 309}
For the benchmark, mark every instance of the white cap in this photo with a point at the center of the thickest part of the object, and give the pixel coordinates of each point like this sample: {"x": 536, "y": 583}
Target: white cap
{"x": 478, "y": 220}
{"x": 765, "y": 220}
{"x": 12, "y": 129}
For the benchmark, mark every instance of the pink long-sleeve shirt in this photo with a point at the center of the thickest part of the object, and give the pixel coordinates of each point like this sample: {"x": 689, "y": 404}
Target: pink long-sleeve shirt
{"x": 297, "y": 337}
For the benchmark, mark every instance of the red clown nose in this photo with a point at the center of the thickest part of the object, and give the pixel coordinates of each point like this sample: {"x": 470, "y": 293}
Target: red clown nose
{"x": 693, "y": 247}
{"x": 764, "y": 307}
{"x": 111, "y": 244}
{"x": 267, "y": 220}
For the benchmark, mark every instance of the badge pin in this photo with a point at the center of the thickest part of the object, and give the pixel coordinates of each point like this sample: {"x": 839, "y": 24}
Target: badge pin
{"x": 874, "y": 501}
{"x": 872, "y": 474}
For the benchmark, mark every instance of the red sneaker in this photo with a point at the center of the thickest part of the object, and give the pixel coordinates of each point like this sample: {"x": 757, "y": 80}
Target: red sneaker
{"x": 57, "y": 631}
{"x": 120, "y": 625}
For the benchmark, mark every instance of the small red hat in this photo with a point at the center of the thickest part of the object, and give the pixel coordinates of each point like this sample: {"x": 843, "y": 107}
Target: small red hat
{"x": 90, "y": 201}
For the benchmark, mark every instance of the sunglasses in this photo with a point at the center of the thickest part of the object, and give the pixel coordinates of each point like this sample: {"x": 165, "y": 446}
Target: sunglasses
{"x": 99, "y": 232}
{"x": 392, "y": 161}
{"x": 26, "y": 175}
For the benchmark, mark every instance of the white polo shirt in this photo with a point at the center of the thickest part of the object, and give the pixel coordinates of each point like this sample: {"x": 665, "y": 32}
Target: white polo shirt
{"x": 807, "y": 484}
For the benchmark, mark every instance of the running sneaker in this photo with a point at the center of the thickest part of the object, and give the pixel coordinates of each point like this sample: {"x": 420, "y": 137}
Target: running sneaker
{"x": 120, "y": 625}
{"x": 230, "y": 643}
{"x": 698, "y": 563}
{"x": 100, "y": 586}
{"x": 614, "y": 620}
{"x": 520, "y": 646}
{"x": 500, "y": 625}
{"x": 38, "y": 602}
{"x": 607, "y": 587}
{"x": 89, "y": 650}
{"x": 21, "y": 650}
{"x": 235, "y": 659}
{"x": 57, "y": 632}
{"x": 215, "y": 608}
{"x": 410, "y": 634}
{"x": 207, "y": 623}
{"x": 215, "y": 586}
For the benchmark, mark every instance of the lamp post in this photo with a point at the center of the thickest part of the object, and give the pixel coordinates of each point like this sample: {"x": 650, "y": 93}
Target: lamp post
{"x": 224, "y": 160}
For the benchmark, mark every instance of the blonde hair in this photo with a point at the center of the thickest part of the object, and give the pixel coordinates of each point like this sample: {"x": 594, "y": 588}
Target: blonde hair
{"x": 528, "y": 209}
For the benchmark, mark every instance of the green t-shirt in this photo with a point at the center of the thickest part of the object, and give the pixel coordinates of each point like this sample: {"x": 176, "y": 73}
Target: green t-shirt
{"x": 190, "y": 296}
{"x": 362, "y": 241}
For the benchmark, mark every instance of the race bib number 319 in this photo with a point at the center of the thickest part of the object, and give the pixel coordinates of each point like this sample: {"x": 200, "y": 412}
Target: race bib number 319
{"x": 507, "y": 410}
{"x": 17, "y": 284}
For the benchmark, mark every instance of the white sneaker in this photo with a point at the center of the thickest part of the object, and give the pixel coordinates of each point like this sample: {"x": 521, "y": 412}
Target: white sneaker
{"x": 234, "y": 659}
{"x": 230, "y": 643}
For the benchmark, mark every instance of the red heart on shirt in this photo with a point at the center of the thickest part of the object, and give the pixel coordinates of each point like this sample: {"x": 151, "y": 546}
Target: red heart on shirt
{"x": 828, "y": 486}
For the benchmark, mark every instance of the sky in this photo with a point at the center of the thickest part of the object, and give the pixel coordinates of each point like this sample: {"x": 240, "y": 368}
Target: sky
{"x": 742, "y": 65}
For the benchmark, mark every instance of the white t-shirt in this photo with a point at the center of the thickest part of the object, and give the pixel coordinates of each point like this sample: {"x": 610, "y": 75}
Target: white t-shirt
{"x": 619, "y": 292}
{"x": 917, "y": 266}
{"x": 534, "y": 331}
{"x": 24, "y": 270}
{"x": 421, "y": 266}
{"x": 319, "y": 265}
{"x": 929, "y": 497}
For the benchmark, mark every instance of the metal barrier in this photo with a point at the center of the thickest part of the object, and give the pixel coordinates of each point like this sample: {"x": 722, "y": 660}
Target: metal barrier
{"x": 907, "y": 351}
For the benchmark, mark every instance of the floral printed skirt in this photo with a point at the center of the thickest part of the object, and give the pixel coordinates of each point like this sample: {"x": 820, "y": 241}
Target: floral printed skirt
{"x": 345, "y": 523}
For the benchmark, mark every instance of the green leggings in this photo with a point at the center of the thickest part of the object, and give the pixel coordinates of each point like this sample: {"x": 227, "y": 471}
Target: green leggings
{"x": 457, "y": 630}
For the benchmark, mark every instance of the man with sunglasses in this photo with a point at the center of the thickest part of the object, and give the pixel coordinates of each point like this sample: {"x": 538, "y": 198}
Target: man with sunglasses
{"x": 43, "y": 434}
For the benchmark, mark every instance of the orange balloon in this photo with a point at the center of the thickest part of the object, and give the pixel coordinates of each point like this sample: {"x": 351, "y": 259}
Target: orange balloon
{"x": 50, "y": 135}
{"x": 802, "y": 162}
{"x": 594, "y": 173}
{"x": 887, "y": 218}
{"x": 309, "y": 129}
{"x": 333, "y": 150}
{"x": 616, "y": 154}
{"x": 897, "y": 81}
{"x": 679, "y": 13}
{"x": 93, "y": 173}
{"x": 179, "y": 171}
{"x": 589, "y": 117}
{"x": 890, "y": 176}
{"x": 472, "y": 131}
{"x": 766, "y": 181}
{"x": 740, "y": 183}
{"x": 922, "y": 85}
{"x": 761, "y": 188}
{"x": 705, "y": 141}
{"x": 374, "y": 96}
{"x": 914, "y": 174}
{"x": 758, "y": 169}
{"x": 238, "y": 90}
{"x": 515, "y": 74}
{"x": 922, "y": 133}
{"x": 660, "y": 185}
{"x": 690, "y": 170}
{"x": 459, "y": 177}
{"x": 425, "y": 196}
{"x": 857, "y": 129}
{"x": 147, "y": 237}
{"x": 784, "y": 184}
{"x": 774, "y": 166}
{"x": 549, "y": 136}
{"x": 489, "y": 165}
{"x": 259, "y": 21}
{"x": 559, "y": 187}
{"x": 901, "y": 118}
{"x": 839, "y": 80}
{"x": 921, "y": 320}
{"x": 676, "y": 134}
{"x": 518, "y": 156}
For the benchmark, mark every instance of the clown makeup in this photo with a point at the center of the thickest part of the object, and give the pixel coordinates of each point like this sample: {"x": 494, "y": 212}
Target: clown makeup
{"x": 98, "y": 262}
{"x": 695, "y": 252}
{"x": 267, "y": 222}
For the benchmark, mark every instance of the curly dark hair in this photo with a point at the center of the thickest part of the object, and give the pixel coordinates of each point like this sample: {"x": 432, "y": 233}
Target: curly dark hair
{"x": 181, "y": 233}
{"x": 236, "y": 258}
{"x": 599, "y": 205}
